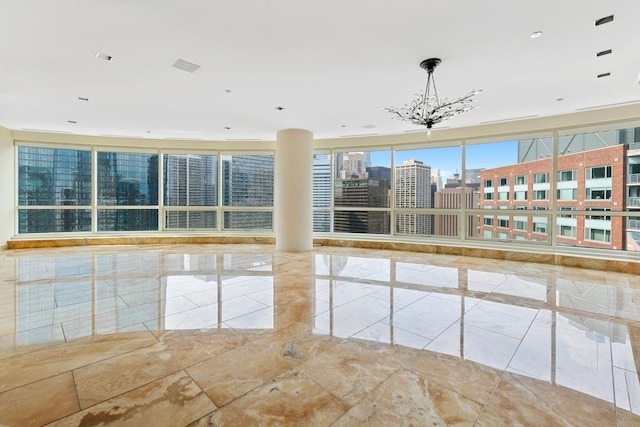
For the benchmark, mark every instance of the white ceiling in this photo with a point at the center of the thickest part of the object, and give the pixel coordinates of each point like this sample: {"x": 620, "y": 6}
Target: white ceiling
{"x": 331, "y": 64}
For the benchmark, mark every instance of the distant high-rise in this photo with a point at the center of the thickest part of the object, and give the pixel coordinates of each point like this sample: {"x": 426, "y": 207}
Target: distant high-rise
{"x": 54, "y": 177}
{"x": 472, "y": 176}
{"x": 413, "y": 190}
{"x": 380, "y": 172}
{"x": 360, "y": 193}
{"x": 247, "y": 181}
{"x": 321, "y": 192}
{"x": 354, "y": 165}
{"x": 190, "y": 180}
{"x": 451, "y": 198}
{"x": 436, "y": 178}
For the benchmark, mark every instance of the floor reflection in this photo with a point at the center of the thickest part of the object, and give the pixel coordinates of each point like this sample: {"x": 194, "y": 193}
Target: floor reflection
{"x": 578, "y": 329}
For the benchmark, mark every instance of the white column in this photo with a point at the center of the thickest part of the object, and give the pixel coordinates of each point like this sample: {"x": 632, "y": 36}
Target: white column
{"x": 294, "y": 190}
{"x": 7, "y": 187}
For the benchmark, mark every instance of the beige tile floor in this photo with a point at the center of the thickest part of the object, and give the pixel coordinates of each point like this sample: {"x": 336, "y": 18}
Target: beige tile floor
{"x": 242, "y": 335}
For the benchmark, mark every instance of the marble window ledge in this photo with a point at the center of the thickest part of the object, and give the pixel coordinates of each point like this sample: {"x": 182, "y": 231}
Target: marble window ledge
{"x": 621, "y": 266}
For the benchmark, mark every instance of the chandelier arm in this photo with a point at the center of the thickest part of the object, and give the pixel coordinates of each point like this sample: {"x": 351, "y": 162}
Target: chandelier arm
{"x": 435, "y": 90}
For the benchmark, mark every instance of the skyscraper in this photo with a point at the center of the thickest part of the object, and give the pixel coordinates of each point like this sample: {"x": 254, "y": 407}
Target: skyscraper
{"x": 354, "y": 165}
{"x": 321, "y": 192}
{"x": 247, "y": 180}
{"x": 360, "y": 193}
{"x": 190, "y": 180}
{"x": 413, "y": 190}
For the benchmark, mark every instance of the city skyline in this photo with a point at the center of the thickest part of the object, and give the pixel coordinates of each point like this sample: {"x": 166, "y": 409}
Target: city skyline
{"x": 449, "y": 159}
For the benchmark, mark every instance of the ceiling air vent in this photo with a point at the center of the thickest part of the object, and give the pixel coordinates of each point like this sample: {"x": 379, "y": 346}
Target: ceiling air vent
{"x": 604, "y": 20}
{"x": 187, "y": 66}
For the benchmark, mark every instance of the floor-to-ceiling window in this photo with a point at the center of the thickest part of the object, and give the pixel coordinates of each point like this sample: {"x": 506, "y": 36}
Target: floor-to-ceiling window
{"x": 565, "y": 188}
{"x": 63, "y": 190}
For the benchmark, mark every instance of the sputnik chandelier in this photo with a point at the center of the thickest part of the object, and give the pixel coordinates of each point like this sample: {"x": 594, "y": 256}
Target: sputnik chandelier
{"x": 427, "y": 109}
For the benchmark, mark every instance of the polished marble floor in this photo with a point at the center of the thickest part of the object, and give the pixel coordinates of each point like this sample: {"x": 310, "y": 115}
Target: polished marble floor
{"x": 242, "y": 335}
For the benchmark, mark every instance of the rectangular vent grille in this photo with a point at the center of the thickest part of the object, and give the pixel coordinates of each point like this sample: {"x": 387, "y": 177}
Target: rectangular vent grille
{"x": 187, "y": 66}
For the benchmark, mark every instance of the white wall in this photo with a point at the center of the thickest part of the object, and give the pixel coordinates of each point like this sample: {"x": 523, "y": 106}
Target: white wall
{"x": 7, "y": 186}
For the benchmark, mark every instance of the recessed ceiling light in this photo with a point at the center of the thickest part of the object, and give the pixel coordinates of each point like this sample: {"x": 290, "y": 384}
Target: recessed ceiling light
{"x": 604, "y": 52}
{"x": 71, "y": 121}
{"x": 104, "y": 56}
{"x": 604, "y": 75}
{"x": 227, "y": 127}
{"x": 536, "y": 34}
{"x": 559, "y": 99}
{"x": 279, "y": 108}
{"x": 604, "y": 20}
{"x": 187, "y": 66}
{"x": 228, "y": 90}
{"x": 83, "y": 99}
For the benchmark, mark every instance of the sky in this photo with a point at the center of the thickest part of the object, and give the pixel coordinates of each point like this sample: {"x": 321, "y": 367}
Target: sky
{"x": 448, "y": 159}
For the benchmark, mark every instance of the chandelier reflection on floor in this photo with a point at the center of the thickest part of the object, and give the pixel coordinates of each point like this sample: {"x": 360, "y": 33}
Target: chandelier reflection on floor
{"x": 427, "y": 109}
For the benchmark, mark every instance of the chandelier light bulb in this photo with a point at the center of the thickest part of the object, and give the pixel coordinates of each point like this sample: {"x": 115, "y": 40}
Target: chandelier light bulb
{"x": 427, "y": 108}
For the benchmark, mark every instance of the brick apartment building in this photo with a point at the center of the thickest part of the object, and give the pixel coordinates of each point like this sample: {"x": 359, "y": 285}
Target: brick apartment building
{"x": 593, "y": 180}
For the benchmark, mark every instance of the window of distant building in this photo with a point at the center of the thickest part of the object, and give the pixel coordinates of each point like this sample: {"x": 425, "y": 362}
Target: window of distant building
{"x": 541, "y": 195}
{"x": 567, "y": 231}
{"x": 568, "y": 194}
{"x": 598, "y": 235}
{"x": 598, "y": 172}
{"x": 541, "y": 178}
{"x": 503, "y": 182}
{"x": 539, "y": 227}
{"x": 567, "y": 175}
{"x": 521, "y": 180}
{"x": 520, "y": 195}
{"x": 598, "y": 193}
{"x": 599, "y": 217}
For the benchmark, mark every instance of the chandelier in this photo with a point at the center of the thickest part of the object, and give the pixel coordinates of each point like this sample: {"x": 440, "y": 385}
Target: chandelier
{"x": 427, "y": 109}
